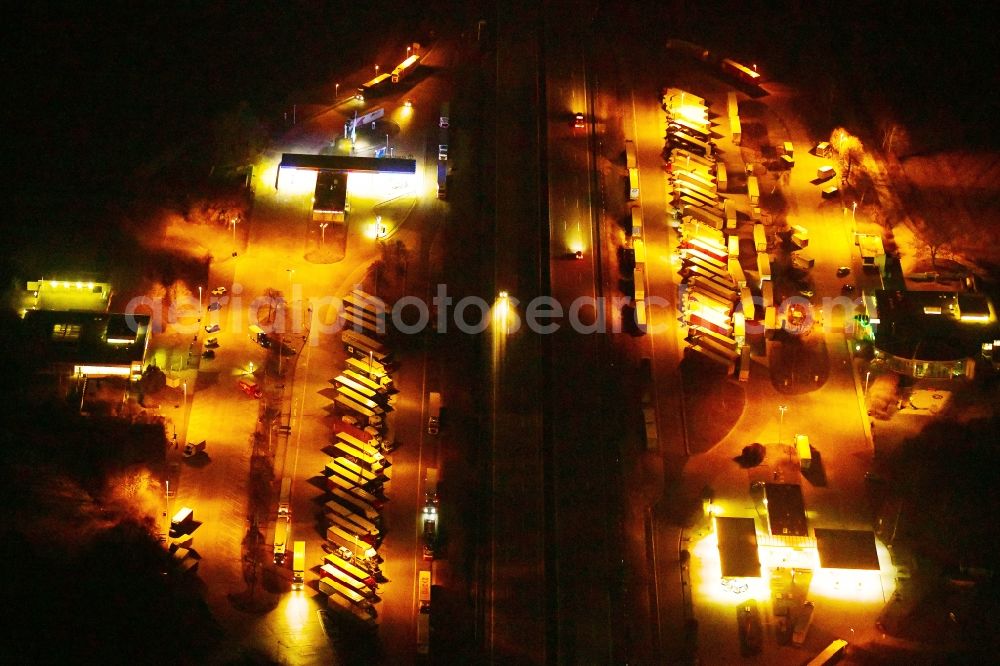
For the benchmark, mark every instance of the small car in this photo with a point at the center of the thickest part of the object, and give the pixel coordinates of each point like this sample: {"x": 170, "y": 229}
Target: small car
{"x": 250, "y": 387}
{"x": 214, "y": 305}
{"x": 349, "y": 420}
{"x": 213, "y": 328}
{"x": 208, "y": 354}
{"x": 847, "y": 289}
{"x": 219, "y": 291}
{"x": 843, "y": 271}
{"x": 808, "y": 293}
{"x": 408, "y": 103}
{"x": 443, "y": 122}
{"x": 578, "y": 121}
{"x": 212, "y": 343}
{"x": 443, "y": 152}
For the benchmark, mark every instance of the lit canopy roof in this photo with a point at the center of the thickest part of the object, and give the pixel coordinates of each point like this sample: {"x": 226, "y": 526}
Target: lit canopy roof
{"x": 347, "y": 163}
{"x": 786, "y": 511}
{"x": 737, "y": 547}
{"x": 846, "y": 549}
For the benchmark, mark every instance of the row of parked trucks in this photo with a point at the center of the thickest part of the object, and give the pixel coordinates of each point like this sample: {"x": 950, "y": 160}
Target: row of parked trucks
{"x": 717, "y": 297}
{"x": 359, "y": 470}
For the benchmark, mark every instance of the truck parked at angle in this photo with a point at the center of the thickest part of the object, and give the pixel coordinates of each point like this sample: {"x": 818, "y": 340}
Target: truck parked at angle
{"x": 182, "y": 522}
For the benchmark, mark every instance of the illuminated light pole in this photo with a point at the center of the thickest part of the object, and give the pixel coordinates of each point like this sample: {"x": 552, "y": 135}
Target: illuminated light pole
{"x": 868, "y": 374}
{"x": 322, "y": 231}
{"x": 781, "y": 419}
{"x": 376, "y": 70}
{"x": 199, "y": 302}
{"x": 408, "y": 51}
{"x": 336, "y": 90}
{"x": 233, "y": 222}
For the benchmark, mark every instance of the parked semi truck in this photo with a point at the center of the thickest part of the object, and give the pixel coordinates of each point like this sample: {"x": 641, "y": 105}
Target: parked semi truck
{"x": 282, "y": 527}
{"x": 433, "y": 413}
{"x": 442, "y": 180}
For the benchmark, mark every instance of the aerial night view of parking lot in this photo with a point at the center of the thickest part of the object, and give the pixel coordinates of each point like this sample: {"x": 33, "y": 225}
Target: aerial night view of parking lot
{"x": 501, "y": 333}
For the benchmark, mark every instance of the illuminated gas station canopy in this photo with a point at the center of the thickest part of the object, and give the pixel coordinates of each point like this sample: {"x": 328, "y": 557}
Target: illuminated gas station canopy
{"x": 70, "y": 293}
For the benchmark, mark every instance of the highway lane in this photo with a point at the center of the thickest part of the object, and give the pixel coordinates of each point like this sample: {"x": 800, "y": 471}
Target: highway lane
{"x": 517, "y": 602}
{"x": 582, "y": 447}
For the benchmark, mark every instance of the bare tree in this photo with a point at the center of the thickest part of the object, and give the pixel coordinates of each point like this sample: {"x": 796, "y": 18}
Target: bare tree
{"x": 850, "y": 149}
{"x": 943, "y": 235}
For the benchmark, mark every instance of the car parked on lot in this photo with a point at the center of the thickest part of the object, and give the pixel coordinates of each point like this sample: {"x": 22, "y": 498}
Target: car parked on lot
{"x": 843, "y": 271}
{"x": 750, "y": 628}
{"x": 250, "y": 387}
{"x": 211, "y": 343}
{"x": 213, "y": 328}
{"x": 208, "y": 354}
{"x": 219, "y": 291}
{"x": 214, "y": 305}
{"x": 847, "y": 289}
{"x": 578, "y": 121}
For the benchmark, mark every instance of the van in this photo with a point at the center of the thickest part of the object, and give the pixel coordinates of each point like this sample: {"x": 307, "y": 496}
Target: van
{"x": 180, "y": 524}
{"x": 804, "y": 451}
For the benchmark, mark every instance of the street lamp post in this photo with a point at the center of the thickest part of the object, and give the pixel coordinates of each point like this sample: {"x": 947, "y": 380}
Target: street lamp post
{"x": 781, "y": 419}
{"x": 322, "y": 231}
{"x": 336, "y": 90}
{"x": 376, "y": 70}
{"x": 868, "y": 375}
{"x": 233, "y": 222}
{"x": 199, "y": 302}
